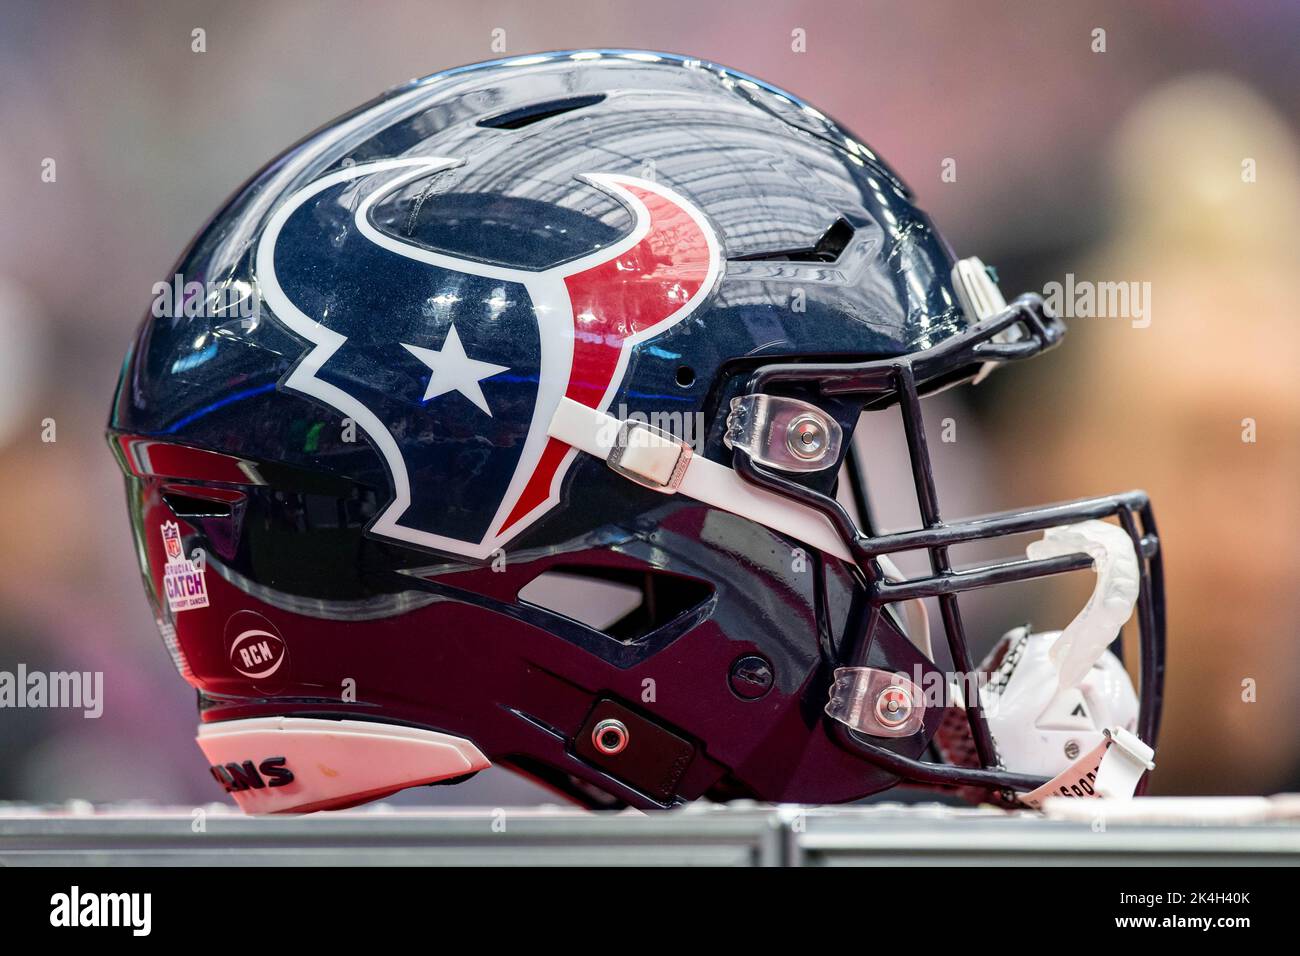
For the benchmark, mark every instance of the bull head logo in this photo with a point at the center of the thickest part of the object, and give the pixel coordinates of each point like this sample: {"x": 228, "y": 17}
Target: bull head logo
{"x": 453, "y": 367}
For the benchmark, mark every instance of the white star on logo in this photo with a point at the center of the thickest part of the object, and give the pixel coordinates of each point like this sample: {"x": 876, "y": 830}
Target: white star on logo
{"x": 454, "y": 371}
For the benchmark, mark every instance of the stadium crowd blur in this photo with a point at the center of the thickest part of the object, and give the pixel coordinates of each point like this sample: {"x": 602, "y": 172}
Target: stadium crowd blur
{"x": 1169, "y": 158}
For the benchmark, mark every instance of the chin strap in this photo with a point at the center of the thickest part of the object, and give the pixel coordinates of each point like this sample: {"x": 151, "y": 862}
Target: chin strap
{"x": 655, "y": 459}
{"x": 1111, "y": 770}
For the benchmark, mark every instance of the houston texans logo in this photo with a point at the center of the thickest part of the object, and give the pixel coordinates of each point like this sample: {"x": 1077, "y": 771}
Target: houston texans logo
{"x": 453, "y": 367}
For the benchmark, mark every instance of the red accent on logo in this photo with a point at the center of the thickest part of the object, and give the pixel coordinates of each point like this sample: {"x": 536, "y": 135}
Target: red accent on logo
{"x": 617, "y": 299}
{"x": 173, "y": 547}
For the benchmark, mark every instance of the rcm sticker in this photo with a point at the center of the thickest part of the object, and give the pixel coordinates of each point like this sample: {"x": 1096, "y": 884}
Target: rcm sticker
{"x": 256, "y": 650}
{"x": 183, "y": 579}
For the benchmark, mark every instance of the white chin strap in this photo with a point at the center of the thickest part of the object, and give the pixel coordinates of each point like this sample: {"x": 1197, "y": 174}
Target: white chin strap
{"x": 657, "y": 460}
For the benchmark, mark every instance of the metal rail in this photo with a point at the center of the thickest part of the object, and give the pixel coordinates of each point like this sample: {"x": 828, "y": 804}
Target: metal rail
{"x": 748, "y": 835}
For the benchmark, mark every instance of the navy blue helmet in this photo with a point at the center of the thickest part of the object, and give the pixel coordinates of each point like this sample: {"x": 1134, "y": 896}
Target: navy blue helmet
{"x": 513, "y": 418}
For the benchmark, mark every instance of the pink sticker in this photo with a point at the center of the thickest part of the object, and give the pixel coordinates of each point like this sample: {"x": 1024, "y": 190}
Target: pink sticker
{"x": 183, "y": 580}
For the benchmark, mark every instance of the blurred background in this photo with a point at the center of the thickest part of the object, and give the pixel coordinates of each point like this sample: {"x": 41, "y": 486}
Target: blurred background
{"x": 1161, "y": 151}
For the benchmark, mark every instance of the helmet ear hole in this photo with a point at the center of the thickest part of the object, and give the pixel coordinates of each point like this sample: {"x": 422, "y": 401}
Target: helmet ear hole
{"x": 685, "y": 376}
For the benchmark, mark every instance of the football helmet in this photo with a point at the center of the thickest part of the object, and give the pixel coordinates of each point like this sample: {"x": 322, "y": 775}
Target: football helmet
{"x": 513, "y": 418}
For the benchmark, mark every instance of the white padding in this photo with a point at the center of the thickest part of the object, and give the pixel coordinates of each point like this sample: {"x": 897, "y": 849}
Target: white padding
{"x": 980, "y": 299}
{"x": 979, "y": 295}
{"x": 705, "y": 481}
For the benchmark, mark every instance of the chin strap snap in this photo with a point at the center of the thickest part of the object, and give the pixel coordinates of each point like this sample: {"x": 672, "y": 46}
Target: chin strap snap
{"x": 654, "y": 459}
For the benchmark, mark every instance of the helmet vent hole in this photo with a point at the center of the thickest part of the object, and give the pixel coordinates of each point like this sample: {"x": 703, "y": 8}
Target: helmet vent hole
{"x": 194, "y": 506}
{"x": 685, "y": 376}
{"x": 828, "y": 248}
{"x": 536, "y": 112}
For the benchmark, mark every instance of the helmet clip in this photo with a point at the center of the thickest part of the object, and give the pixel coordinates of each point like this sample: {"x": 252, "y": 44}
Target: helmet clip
{"x": 783, "y": 433}
{"x": 876, "y": 702}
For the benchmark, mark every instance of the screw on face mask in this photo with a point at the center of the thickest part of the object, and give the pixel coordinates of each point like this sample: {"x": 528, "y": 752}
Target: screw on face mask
{"x": 806, "y": 438}
{"x": 893, "y": 707}
{"x": 610, "y": 736}
{"x": 750, "y": 677}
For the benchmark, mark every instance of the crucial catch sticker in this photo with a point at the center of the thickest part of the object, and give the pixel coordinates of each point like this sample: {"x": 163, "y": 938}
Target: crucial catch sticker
{"x": 182, "y": 578}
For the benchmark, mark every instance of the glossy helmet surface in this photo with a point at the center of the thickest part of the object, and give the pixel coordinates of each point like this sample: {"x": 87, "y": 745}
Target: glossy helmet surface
{"x": 501, "y": 421}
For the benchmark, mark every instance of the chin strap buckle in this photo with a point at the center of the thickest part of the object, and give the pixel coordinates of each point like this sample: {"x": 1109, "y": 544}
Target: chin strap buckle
{"x": 649, "y": 456}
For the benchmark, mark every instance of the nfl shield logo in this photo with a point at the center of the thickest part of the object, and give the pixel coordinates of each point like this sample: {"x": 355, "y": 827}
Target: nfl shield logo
{"x": 171, "y": 534}
{"x": 182, "y": 579}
